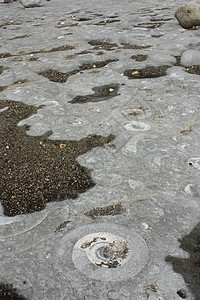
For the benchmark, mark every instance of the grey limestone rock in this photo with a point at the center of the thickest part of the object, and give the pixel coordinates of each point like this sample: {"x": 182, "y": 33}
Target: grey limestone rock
{"x": 31, "y": 3}
{"x": 190, "y": 58}
{"x": 188, "y": 15}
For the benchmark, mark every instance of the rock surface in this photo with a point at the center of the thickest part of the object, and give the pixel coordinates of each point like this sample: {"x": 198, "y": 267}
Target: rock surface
{"x": 188, "y": 15}
{"x": 190, "y": 58}
{"x": 146, "y": 182}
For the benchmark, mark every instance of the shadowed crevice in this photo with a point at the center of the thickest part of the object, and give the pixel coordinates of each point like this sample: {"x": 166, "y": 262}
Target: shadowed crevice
{"x": 102, "y": 45}
{"x": 56, "y": 49}
{"x": 149, "y": 72}
{"x": 1, "y": 69}
{"x": 101, "y": 93}
{"x": 139, "y": 57}
{"x": 2, "y": 88}
{"x": 109, "y": 210}
{"x": 193, "y": 70}
{"x": 134, "y": 46}
{"x": 56, "y": 76}
{"x": 105, "y": 22}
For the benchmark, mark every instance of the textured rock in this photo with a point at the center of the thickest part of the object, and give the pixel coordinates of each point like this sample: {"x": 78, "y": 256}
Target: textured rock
{"x": 8, "y": 1}
{"x": 151, "y": 169}
{"x": 31, "y": 3}
{"x": 190, "y": 58}
{"x": 188, "y": 15}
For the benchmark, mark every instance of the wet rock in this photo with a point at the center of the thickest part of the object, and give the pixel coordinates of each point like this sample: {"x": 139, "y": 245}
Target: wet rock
{"x": 188, "y": 15}
{"x": 31, "y": 3}
{"x": 190, "y": 58}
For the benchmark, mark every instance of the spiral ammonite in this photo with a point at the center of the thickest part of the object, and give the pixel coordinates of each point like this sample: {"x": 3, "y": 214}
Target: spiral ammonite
{"x": 104, "y": 251}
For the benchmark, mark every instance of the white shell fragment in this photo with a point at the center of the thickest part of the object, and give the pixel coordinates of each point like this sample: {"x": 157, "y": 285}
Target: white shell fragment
{"x": 187, "y": 189}
{"x": 194, "y": 162}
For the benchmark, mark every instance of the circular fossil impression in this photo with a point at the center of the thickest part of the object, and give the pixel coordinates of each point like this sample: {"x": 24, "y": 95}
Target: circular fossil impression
{"x": 104, "y": 251}
{"x": 137, "y": 126}
{"x": 19, "y": 233}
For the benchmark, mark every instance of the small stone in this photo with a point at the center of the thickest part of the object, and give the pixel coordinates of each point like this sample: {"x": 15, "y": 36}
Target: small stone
{"x": 188, "y": 15}
{"x": 111, "y": 90}
{"x": 31, "y": 3}
{"x": 190, "y": 58}
{"x": 62, "y": 146}
{"x": 135, "y": 72}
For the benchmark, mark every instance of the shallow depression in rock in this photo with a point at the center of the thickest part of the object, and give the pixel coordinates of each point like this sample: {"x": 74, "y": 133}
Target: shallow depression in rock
{"x": 8, "y": 292}
{"x": 194, "y": 70}
{"x": 148, "y": 72}
{"x": 61, "y": 77}
{"x": 101, "y": 93}
{"x": 36, "y": 170}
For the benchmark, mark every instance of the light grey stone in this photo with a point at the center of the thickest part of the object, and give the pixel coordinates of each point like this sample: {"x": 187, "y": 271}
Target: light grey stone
{"x": 188, "y": 15}
{"x": 190, "y": 58}
{"x": 31, "y": 3}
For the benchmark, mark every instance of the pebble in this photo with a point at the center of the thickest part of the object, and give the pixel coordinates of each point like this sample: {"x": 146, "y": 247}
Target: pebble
{"x": 188, "y": 15}
{"x": 190, "y": 58}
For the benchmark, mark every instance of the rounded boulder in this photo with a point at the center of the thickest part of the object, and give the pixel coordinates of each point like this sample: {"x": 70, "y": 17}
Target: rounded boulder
{"x": 188, "y": 15}
{"x": 190, "y": 58}
{"x": 31, "y": 3}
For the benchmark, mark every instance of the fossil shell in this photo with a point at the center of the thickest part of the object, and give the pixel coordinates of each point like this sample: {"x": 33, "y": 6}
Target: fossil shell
{"x": 103, "y": 251}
